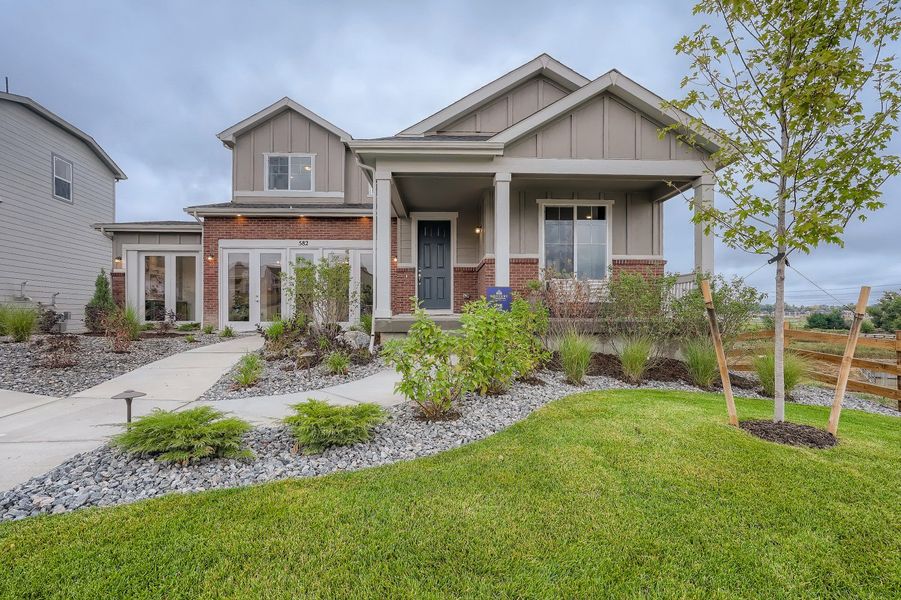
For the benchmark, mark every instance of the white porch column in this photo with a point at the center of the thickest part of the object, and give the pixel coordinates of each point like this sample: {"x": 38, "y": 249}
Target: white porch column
{"x": 382, "y": 308}
{"x": 502, "y": 229}
{"x": 703, "y": 187}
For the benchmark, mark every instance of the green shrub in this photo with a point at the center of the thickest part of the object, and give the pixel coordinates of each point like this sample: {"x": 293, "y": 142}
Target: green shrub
{"x": 701, "y": 362}
{"x": 250, "y": 369}
{"x": 321, "y": 290}
{"x": 337, "y": 363}
{"x": 100, "y": 304}
{"x": 886, "y": 313}
{"x": 275, "y": 330}
{"x": 122, "y": 327}
{"x": 188, "y": 327}
{"x": 190, "y": 339}
{"x": 735, "y": 303}
{"x": 430, "y": 376}
{"x": 20, "y": 322}
{"x": 227, "y": 332}
{"x": 318, "y": 425}
{"x": 184, "y": 436}
{"x": 575, "y": 356}
{"x": 634, "y": 357}
{"x": 148, "y": 326}
{"x": 208, "y": 329}
{"x": 765, "y": 367}
{"x": 867, "y": 326}
{"x": 365, "y": 324}
{"x": 491, "y": 352}
{"x": 826, "y": 320}
{"x": 531, "y": 322}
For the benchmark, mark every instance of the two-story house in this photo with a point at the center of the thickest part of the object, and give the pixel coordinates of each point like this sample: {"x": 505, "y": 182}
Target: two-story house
{"x": 55, "y": 183}
{"x": 541, "y": 170}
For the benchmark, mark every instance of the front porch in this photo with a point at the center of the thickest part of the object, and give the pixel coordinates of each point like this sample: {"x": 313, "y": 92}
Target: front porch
{"x": 444, "y": 236}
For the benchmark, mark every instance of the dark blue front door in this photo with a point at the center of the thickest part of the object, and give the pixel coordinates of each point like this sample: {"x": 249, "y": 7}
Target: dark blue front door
{"x": 434, "y": 264}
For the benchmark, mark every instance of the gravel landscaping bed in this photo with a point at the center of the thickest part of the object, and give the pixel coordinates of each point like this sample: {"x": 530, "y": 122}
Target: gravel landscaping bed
{"x": 281, "y": 377}
{"x": 105, "y": 476}
{"x": 23, "y": 369}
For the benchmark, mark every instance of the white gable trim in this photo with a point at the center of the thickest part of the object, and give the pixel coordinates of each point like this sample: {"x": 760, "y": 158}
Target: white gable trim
{"x": 228, "y": 136}
{"x": 618, "y": 84}
{"x": 544, "y": 65}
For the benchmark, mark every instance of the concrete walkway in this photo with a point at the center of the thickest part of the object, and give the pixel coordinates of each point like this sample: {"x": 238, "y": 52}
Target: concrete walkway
{"x": 39, "y": 432}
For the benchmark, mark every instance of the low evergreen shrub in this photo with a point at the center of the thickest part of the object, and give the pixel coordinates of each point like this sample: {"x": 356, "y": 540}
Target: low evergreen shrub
{"x": 184, "y": 436}
{"x": 100, "y": 305}
{"x": 318, "y": 425}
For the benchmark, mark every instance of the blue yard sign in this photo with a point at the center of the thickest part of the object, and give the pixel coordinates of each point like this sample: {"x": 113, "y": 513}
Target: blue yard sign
{"x": 501, "y": 296}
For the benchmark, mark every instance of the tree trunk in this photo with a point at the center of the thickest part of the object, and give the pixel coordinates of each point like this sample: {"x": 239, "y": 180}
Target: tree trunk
{"x": 779, "y": 337}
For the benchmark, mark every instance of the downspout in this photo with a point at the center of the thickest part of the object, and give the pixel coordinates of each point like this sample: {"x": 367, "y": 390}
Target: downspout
{"x": 374, "y": 251}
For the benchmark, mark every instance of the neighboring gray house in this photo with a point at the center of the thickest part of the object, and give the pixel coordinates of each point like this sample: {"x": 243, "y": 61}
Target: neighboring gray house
{"x": 55, "y": 183}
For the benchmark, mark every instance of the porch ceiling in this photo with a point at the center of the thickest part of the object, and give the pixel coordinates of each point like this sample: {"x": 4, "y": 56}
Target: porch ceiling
{"x": 442, "y": 191}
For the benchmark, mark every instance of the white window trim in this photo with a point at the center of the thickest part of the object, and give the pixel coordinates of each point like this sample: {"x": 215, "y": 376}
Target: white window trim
{"x": 53, "y": 158}
{"x": 290, "y": 155}
{"x": 607, "y": 204}
{"x": 415, "y": 217}
{"x": 134, "y": 291}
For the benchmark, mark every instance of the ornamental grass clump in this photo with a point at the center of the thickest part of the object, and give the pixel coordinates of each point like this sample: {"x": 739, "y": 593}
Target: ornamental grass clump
{"x": 19, "y": 322}
{"x": 635, "y": 356}
{"x": 765, "y": 367}
{"x": 338, "y": 363}
{"x": 250, "y": 369}
{"x": 701, "y": 362}
{"x": 575, "y": 356}
{"x": 227, "y": 332}
{"x": 201, "y": 432}
{"x": 318, "y": 425}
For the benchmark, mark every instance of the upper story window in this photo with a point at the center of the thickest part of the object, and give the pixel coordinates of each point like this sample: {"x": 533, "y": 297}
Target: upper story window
{"x": 289, "y": 172}
{"x": 576, "y": 240}
{"x": 62, "y": 178}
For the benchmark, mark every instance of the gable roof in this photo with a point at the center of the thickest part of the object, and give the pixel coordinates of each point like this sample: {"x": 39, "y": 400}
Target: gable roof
{"x": 619, "y": 85}
{"x": 228, "y": 136}
{"x": 543, "y": 64}
{"x": 36, "y": 108}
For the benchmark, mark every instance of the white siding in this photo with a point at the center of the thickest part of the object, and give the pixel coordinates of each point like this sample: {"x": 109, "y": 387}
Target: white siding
{"x": 45, "y": 241}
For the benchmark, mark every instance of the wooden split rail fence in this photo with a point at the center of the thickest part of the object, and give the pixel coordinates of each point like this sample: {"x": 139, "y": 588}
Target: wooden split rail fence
{"x": 743, "y": 357}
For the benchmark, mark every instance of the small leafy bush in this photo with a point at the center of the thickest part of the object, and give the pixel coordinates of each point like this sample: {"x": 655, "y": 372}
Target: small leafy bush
{"x": 867, "y": 326}
{"x": 491, "y": 351}
{"x": 318, "y": 425}
{"x": 208, "y": 329}
{"x": 250, "y": 369}
{"x": 337, "y": 363}
{"x": 184, "y": 436}
{"x": 49, "y": 320}
{"x": 100, "y": 304}
{"x": 635, "y": 356}
{"x": 190, "y": 339}
{"x": 575, "y": 356}
{"x": 122, "y": 327}
{"x": 531, "y": 321}
{"x": 826, "y": 320}
{"x": 735, "y": 303}
{"x": 20, "y": 322}
{"x": 701, "y": 362}
{"x": 430, "y": 376}
{"x": 227, "y": 332}
{"x": 275, "y": 330}
{"x": 765, "y": 367}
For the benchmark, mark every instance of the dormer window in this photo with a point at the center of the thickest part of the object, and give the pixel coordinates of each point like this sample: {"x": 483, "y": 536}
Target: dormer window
{"x": 289, "y": 172}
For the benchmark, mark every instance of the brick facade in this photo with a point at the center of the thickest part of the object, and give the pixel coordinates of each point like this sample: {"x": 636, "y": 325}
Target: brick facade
{"x": 639, "y": 265}
{"x": 522, "y": 271}
{"x": 267, "y": 228}
{"x": 117, "y": 283}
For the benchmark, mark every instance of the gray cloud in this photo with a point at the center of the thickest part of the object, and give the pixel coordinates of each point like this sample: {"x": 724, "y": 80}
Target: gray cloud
{"x": 155, "y": 81}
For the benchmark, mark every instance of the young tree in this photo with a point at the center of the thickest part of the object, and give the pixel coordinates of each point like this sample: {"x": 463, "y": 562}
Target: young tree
{"x": 810, "y": 99}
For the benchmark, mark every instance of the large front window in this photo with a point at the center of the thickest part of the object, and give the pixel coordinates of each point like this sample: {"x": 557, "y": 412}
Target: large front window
{"x": 289, "y": 172}
{"x": 575, "y": 241}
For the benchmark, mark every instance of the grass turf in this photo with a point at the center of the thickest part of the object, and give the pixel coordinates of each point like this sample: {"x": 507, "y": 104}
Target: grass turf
{"x": 629, "y": 493}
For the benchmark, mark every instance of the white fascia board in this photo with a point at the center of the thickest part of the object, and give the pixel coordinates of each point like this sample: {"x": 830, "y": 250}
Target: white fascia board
{"x": 296, "y": 211}
{"x": 415, "y": 148}
{"x": 544, "y": 64}
{"x": 148, "y": 227}
{"x": 619, "y": 85}
{"x": 228, "y": 136}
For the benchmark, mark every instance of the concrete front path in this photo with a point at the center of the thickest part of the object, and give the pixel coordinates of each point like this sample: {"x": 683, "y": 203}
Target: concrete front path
{"x": 39, "y": 432}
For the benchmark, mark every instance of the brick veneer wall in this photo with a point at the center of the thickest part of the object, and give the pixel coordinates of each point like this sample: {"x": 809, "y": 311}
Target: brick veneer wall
{"x": 267, "y": 228}
{"x": 522, "y": 271}
{"x": 639, "y": 265}
{"x": 117, "y": 282}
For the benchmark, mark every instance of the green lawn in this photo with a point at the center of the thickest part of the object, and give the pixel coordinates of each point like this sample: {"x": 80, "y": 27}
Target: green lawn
{"x": 634, "y": 493}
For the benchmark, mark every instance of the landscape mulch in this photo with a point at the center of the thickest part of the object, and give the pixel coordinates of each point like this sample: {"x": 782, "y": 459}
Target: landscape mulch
{"x": 793, "y": 434}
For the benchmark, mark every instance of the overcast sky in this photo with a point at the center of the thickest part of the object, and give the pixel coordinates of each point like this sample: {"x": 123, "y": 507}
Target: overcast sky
{"x": 154, "y": 82}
